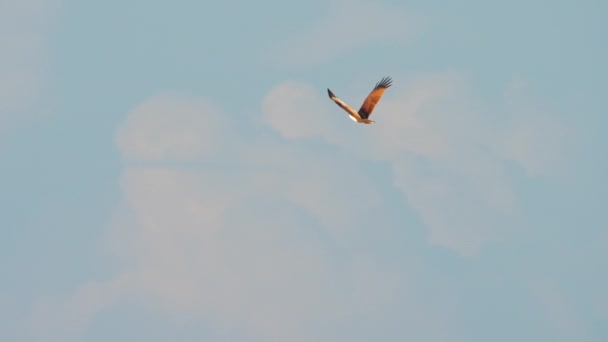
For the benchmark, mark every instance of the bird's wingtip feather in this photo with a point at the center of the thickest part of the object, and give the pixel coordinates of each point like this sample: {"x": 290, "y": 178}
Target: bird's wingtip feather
{"x": 385, "y": 82}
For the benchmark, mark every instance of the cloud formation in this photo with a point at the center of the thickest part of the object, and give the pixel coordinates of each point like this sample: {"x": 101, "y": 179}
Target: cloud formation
{"x": 247, "y": 242}
{"x": 448, "y": 157}
{"x": 66, "y": 319}
{"x": 171, "y": 127}
{"x": 261, "y": 235}
{"x": 535, "y": 139}
{"x": 266, "y": 237}
{"x": 348, "y": 25}
{"x": 24, "y": 26}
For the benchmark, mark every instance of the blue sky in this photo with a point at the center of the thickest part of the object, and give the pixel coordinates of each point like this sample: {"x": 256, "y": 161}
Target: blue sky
{"x": 175, "y": 171}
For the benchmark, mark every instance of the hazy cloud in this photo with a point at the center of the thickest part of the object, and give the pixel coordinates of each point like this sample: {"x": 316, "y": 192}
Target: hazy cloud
{"x": 442, "y": 151}
{"x": 265, "y": 238}
{"x": 171, "y": 127}
{"x": 296, "y": 111}
{"x": 24, "y": 27}
{"x": 348, "y": 25}
{"x": 264, "y": 247}
{"x": 61, "y": 319}
{"x": 535, "y": 137}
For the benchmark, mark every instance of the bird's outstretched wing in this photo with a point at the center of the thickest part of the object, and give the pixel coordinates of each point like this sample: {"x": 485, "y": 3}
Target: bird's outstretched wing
{"x": 372, "y": 99}
{"x": 344, "y": 106}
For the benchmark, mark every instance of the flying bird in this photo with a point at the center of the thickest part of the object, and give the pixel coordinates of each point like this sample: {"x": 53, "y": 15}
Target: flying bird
{"x": 362, "y": 116}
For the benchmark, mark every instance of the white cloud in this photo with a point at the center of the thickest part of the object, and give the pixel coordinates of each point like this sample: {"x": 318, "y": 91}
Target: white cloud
{"x": 66, "y": 319}
{"x": 440, "y": 146}
{"x": 242, "y": 253}
{"x": 450, "y": 154}
{"x": 258, "y": 241}
{"x": 296, "y": 111}
{"x": 263, "y": 237}
{"x": 534, "y": 138}
{"x": 539, "y": 144}
{"x": 24, "y": 27}
{"x": 442, "y": 149}
{"x": 171, "y": 126}
{"x": 348, "y": 25}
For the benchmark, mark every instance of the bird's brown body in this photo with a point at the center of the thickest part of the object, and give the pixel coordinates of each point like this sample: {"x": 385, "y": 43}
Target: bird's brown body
{"x": 362, "y": 116}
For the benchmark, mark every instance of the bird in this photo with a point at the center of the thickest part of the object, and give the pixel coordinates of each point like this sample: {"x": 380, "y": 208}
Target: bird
{"x": 362, "y": 116}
